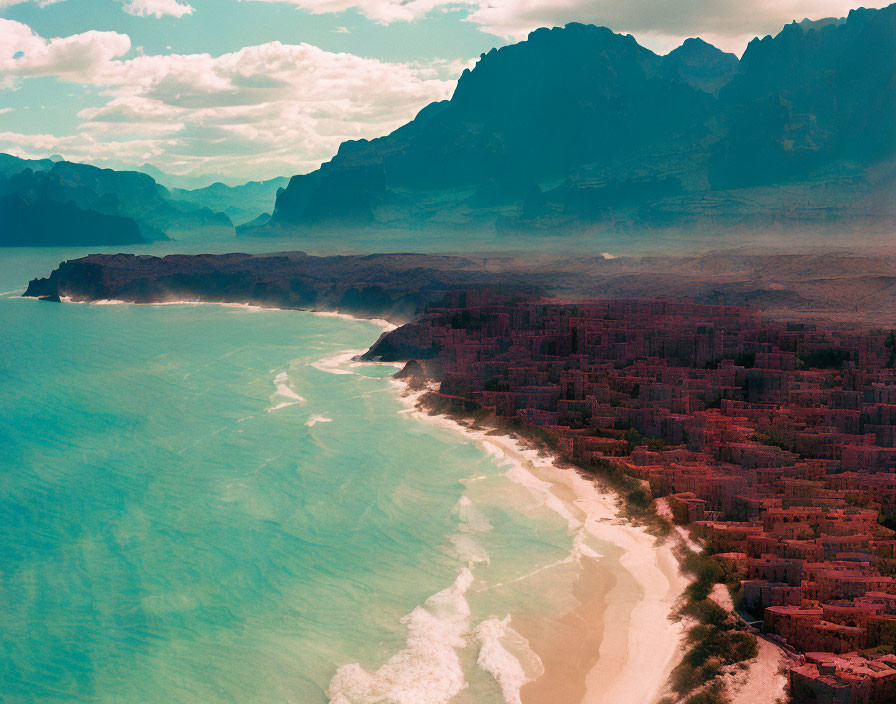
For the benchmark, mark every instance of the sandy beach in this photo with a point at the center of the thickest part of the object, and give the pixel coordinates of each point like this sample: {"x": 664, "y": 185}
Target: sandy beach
{"x": 617, "y": 644}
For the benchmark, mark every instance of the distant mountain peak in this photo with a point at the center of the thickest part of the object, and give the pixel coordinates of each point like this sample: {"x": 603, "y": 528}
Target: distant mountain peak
{"x": 573, "y": 29}
{"x": 808, "y": 24}
{"x": 701, "y": 64}
{"x": 575, "y": 57}
{"x": 696, "y": 44}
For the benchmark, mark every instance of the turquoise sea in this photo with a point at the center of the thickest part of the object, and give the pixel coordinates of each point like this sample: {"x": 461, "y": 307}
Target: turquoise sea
{"x": 203, "y": 503}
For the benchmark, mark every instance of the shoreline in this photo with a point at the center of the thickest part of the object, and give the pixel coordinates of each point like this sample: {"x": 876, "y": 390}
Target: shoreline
{"x": 637, "y": 641}
{"x": 632, "y": 643}
{"x": 382, "y": 323}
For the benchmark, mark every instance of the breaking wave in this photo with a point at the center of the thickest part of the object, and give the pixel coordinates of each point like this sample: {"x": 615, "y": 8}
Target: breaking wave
{"x": 428, "y": 670}
{"x": 507, "y": 657}
{"x": 283, "y": 391}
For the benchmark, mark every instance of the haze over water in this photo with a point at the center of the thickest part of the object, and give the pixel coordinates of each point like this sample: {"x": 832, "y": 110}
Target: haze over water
{"x": 195, "y": 507}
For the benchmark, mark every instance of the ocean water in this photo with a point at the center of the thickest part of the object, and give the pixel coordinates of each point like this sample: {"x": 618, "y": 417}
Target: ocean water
{"x": 204, "y": 503}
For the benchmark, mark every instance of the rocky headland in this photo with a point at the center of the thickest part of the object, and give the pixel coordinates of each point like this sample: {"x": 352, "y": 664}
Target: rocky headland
{"x": 396, "y": 287}
{"x": 842, "y": 286}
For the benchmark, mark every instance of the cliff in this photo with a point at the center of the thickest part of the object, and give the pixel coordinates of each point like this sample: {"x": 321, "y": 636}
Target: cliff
{"x": 835, "y": 285}
{"x": 580, "y": 127}
{"x": 397, "y": 287}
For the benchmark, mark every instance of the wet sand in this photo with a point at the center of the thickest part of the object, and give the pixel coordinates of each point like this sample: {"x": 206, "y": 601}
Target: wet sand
{"x": 617, "y": 644}
{"x": 569, "y": 647}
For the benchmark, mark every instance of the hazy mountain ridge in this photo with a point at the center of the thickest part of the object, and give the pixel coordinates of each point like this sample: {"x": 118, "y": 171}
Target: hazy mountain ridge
{"x": 188, "y": 182}
{"x": 35, "y": 220}
{"x": 240, "y": 203}
{"x": 577, "y": 129}
{"x": 579, "y": 126}
{"x": 10, "y": 165}
{"x": 243, "y": 203}
{"x": 45, "y": 202}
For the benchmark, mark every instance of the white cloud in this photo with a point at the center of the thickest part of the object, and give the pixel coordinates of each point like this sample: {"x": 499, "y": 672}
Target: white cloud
{"x": 157, "y": 8}
{"x": 341, "y": 30}
{"x": 384, "y": 11}
{"x": 113, "y": 153}
{"x": 79, "y": 57}
{"x": 730, "y": 24}
{"x": 39, "y": 3}
{"x": 263, "y": 110}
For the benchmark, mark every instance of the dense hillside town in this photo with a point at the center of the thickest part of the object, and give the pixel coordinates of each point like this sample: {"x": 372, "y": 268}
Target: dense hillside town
{"x": 775, "y": 443}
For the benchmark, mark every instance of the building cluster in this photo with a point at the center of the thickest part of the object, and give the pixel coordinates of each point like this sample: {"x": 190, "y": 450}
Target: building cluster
{"x": 774, "y": 442}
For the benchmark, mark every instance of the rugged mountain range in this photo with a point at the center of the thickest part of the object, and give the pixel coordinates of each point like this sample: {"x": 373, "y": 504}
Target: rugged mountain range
{"x": 241, "y": 204}
{"x": 581, "y": 127}
{"x": 46, "y": 202}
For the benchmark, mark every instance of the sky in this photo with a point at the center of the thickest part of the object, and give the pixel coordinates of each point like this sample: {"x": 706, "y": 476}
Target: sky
{"x": 252, "y": 89}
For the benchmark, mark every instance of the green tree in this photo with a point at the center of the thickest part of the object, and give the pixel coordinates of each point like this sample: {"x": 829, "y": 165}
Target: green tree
{"x": 890, "y": 344}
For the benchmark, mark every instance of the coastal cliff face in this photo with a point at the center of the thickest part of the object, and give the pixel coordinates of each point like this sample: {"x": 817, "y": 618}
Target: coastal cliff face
{"x": 579, "y": 126}
{"x": 839, "y": 286}
{"x": 397, "y": 287}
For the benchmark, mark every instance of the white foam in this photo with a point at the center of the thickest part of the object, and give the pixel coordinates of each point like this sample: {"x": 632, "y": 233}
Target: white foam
{"x": 314, "y": 420}
{"x": 587, "y": 503}
{"x": 470, "y": 523}
{"x": 542, "y": 491}
{"x": 379, "y": 322}
{"x": 428, "y": 670}
{"x": 345, "y": 362}
{"x": 493, "y": 450}
{"x": 471, "y": 518}
{"x": 118, "y": 302}
{"x": 506, "y": 655}
{"x": 581, "y": 514}
{"x": 335, "y": 364}
{"x": 102, "y": 302}
{"x": 468, "y": 549}
{"x": 579, "y": 551}
{"x": 384, "y": 324}
{"x": 283, "y": 390}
